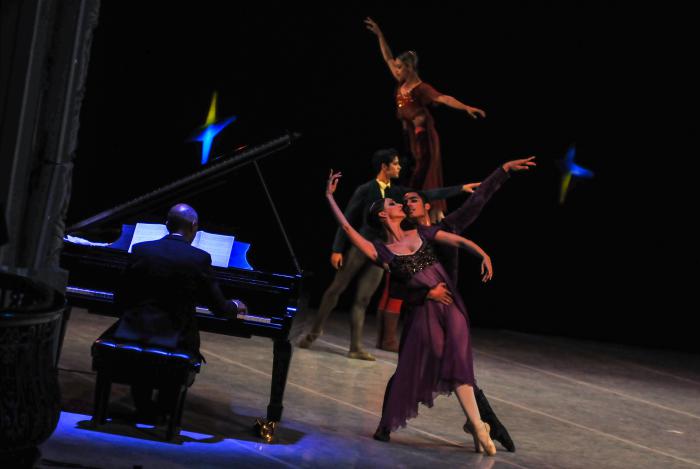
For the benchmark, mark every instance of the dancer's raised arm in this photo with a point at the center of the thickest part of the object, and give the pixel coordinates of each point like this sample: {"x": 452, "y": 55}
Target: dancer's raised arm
{"x": 452, "y": 239}
{"x": 383, "y": 46}
{"x": 365, "y": 246}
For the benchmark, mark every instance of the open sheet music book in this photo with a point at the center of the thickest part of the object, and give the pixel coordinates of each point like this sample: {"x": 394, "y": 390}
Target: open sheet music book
{"x": 218, "y": 246}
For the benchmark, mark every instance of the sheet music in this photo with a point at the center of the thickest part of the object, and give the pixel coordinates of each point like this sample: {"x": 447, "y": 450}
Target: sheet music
{"x": 147, "y": 232}
{"x": 218, "y": 246}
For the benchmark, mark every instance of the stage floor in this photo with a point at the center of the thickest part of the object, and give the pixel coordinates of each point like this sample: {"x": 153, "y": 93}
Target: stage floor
{"x": 567, "y": 404}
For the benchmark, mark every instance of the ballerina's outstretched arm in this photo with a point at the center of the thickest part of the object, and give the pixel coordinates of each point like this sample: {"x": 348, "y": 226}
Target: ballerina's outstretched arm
{"x": 452, "y": 239}
{"x": 355, "y": 238}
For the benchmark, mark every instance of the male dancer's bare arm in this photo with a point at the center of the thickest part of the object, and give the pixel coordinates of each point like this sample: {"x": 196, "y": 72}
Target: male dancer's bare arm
{"x": 415, "y": 296}
{"x": 442, "y": 192}
{"x": 356, "y": 238}
{"x": 383, "y": 46}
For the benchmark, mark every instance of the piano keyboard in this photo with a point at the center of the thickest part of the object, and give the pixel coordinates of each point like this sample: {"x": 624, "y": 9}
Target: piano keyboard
{"x": 109, "y": 297}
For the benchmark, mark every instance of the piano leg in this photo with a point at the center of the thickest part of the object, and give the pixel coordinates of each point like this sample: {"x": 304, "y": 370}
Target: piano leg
{"x": 175, "y": 420}
{"x": 280, "y": 367}
{"x": 103, "y": 388}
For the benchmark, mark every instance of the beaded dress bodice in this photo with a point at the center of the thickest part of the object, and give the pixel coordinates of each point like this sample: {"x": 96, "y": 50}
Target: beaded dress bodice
{"x": 404, "y": 267}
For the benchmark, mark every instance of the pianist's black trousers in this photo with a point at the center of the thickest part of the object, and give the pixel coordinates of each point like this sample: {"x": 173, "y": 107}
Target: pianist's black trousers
{"x": 369, "y": 277}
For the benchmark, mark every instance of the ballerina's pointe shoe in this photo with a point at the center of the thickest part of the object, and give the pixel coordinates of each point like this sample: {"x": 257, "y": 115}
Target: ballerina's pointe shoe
{"x": 482, "y": 433}
{"x": 482, "y": 440}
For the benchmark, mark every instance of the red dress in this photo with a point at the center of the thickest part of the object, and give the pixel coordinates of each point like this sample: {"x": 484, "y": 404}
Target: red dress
{"x": 412, "y": 111}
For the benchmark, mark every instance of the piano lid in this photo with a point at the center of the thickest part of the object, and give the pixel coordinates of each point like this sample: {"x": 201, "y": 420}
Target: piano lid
{"x": 195, "y": 183}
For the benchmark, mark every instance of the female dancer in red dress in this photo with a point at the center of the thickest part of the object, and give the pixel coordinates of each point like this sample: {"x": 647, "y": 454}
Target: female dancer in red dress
{"x": 436, "y": 355}
{"x": 413, "y": 96}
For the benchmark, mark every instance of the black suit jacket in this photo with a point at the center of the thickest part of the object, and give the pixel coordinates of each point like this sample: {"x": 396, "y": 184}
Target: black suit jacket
{"x": 162, "y": 284}
{"x": 358, "y": 207}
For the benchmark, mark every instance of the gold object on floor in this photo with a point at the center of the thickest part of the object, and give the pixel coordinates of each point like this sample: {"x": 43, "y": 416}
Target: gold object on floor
{"x": 265, "y": 430}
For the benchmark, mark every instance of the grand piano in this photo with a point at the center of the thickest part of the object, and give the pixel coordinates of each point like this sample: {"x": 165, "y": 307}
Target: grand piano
{"x": 272, "y": 298}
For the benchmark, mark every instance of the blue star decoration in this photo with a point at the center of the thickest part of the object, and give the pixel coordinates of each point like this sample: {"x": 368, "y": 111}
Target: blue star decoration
{"x": 210, "y": 129}
{"x": 569, "y": 171}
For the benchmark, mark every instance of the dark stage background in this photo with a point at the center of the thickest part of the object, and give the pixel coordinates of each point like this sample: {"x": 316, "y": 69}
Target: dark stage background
{"x": 605, "y": 265}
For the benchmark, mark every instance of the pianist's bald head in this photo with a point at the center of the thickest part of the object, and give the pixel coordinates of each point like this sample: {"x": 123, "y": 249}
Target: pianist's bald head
{"x": 183, "y": 220}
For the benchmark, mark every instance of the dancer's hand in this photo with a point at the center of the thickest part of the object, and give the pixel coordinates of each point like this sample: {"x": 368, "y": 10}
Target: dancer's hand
{"x": 337, "y": 260}
{"x": 470, "y": 187}
{"x": 440, "y": 293}
{"x": 372, "y": 26}
{"x": 332, "y": 182}
{"x": 519, "y": 165}
{"x": 475, "y": 112}
{"x": 486, "y": 269}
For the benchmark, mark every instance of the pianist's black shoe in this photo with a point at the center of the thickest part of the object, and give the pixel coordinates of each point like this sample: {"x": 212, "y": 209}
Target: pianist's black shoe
{"x": 498, "y": 431}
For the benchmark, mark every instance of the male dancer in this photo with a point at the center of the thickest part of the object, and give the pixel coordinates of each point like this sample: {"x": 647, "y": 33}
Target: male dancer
{"x": 386, "y": 165}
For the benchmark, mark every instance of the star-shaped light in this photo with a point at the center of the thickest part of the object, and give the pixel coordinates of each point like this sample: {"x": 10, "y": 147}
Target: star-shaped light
{"x": 210, "y": 129}
{"x": 569, "y": 171}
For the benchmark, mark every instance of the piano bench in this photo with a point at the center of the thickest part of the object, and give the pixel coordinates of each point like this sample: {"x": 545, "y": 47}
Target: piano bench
{"x": 117, "y": 361}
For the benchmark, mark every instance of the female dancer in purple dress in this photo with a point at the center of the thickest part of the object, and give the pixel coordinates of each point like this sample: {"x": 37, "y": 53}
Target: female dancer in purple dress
{"x": 436, "y": 353}
{"x": 413, "y": 96}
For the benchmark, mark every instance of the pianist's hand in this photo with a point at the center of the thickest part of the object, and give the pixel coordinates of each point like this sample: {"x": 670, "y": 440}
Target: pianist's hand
{"x": 241, "y": 307}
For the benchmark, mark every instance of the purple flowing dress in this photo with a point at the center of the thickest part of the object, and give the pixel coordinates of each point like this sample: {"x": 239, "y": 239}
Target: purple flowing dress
{"x": 436, "y": 354}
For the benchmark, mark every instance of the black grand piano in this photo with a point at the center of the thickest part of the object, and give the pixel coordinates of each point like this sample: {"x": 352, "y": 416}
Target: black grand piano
{"x": 272, "y": 298}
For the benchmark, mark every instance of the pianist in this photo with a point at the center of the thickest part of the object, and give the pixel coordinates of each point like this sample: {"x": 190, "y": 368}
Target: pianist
{"x": 160, "y": 287}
